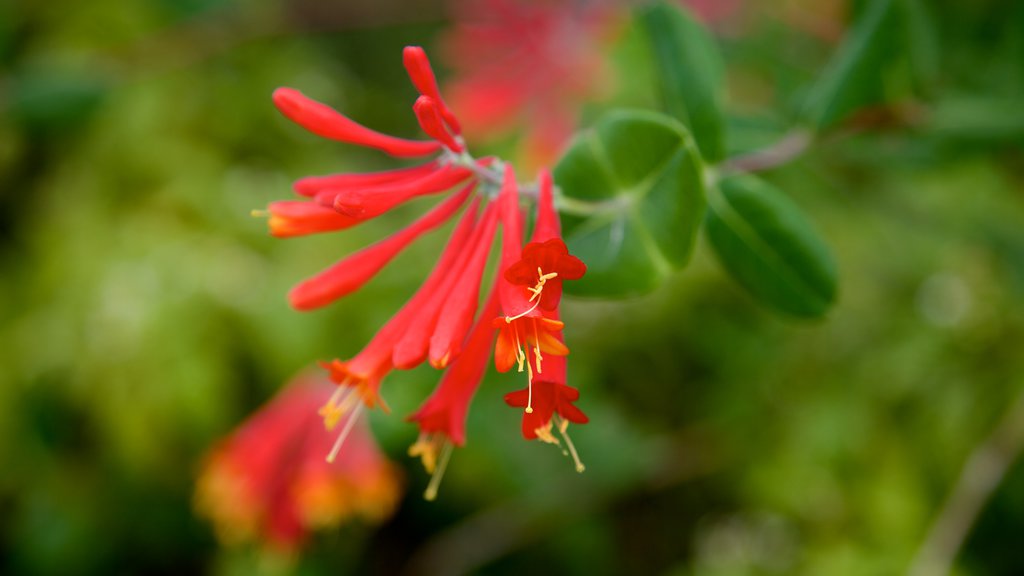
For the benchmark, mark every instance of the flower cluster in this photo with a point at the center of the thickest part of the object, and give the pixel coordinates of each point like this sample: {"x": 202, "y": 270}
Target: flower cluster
{"x": 268, "y": 480}
{"x": 440, "y": 323}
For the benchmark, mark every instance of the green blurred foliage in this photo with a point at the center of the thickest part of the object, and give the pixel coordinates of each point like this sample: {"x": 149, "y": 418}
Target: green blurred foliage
{"x": 142, "y": 311}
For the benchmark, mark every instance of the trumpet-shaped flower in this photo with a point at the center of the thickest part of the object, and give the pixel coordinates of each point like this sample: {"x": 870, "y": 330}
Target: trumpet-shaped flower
{"x": 440, "y": 322}
{"x": 268, "y": 480}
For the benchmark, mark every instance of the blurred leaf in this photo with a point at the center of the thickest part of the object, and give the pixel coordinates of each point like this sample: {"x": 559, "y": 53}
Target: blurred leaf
{"x": 854, "y": 77}
{"x": 770, "y": 248}
{"x": 690, "y": 74}
{"x": 639, "y": 178}
{"x": 50, "y": 100}
{"x": 979, "y": 119}
{"x": 922, "y": 44}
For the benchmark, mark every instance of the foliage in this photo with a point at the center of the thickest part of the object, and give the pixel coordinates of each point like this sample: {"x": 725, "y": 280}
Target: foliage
{"x": 144, "y": 314}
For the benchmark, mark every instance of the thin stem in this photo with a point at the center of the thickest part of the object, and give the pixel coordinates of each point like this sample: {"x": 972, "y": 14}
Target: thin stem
{"x": 786, "y": 149}
{"x": 981, "y": 475}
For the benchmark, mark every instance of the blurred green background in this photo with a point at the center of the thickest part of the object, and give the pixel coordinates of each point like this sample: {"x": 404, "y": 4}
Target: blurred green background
{"x": 142, "y": 310}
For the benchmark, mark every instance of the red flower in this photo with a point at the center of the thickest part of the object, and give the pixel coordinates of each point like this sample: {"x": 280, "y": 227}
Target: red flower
{"x": 545, "y": 262}
{"x": 552, "y": 408}
{"x": 440, "y": 321}
{"x": 268, "y": 481}
{"x": 442, "y": 417}
{"x": 528, "y": 64}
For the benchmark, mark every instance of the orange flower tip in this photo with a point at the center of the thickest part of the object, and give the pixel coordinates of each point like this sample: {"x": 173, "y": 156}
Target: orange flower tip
{"x": 442, "y": 362}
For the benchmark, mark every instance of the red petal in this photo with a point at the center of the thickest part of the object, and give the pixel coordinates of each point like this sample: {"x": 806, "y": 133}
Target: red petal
{"x": 351, "y": 273}
{"x": 311, "y": 185}
{"x": 323, "y": 120}
{"x": 430, "y": 120}
{"x": 290, "y": 218}
{"x": 422, "y": 76}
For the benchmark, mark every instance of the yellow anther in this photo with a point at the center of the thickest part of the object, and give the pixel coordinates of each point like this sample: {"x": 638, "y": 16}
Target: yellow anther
{"x": 542, "y": 279}
{"x": 544, "y": 434}
{"x": 259, "y": 213}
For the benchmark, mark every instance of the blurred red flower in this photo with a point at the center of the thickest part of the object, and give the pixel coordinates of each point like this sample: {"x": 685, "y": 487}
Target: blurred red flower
{"x": 268, "y": 480}
{"x": 529, "y": 65}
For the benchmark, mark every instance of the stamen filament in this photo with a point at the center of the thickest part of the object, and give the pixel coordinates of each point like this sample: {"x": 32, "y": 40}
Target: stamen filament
{"x": 563, "y": 425}
{"x": 529, "y": 394}
{"x": 509, "y": 319}
{"x": 435, "y": 480}
{"x": 345, "y": 432}
{"x": 536, "y": 345}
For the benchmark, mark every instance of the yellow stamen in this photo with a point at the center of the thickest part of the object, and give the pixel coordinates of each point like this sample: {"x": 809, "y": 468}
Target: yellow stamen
{"x": 425, "y": 448}
{"x": 542, "y": 279}
{"x": 536, "y": 345}
{"x": 520, "y": 355}
{"x": 259, "y": 213}
{"x": 435, "y": 481}
{"x": 544, "y": 434}
{"x": 563, "y": 425}
{"x": 509, "y": 319}
{"x": 335, "y": 409}
{"x": 344, "y": 433}
{"x": 529, "y": 392}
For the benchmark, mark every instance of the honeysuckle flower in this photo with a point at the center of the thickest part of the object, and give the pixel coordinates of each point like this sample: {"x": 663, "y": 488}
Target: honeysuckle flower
{"x": 442, "y": 417}
{"x": 528, "y": 65}
{"x": 547, "y": 405}
{"x": 439, "y": 322}
{"x": 545, "y": 262}
{"x": 268, "y": 481}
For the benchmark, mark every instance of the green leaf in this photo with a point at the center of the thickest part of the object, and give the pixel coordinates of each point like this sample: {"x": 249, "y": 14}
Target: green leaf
{"x": 855, "y": 76}
{"x": 637, "y": 179}
{"x": 922, "y": 44}
{"x": 770, "y": 247}
{"x": 690, "y": 74}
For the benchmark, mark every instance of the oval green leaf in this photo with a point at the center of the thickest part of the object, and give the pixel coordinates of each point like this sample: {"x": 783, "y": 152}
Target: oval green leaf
{"x": 768, "y": 245}
{"x": 635, "y": 184}
{"x": 690, "y": 74}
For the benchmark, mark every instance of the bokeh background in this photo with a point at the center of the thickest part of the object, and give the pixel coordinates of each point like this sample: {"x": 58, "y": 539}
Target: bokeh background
{"x": 142, "y": 309}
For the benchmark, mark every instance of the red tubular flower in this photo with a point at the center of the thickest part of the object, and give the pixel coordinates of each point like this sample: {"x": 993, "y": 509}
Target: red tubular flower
{"x": 367, "y": 369}
{"x": 545, "y": 262}
{"x": 429, "y": 116}
{"x": 415, "y": 343}
{"x": 522, "y": 325}
{"x": 548, "y": 404}
{"x": 422, "y": 76}
{"x": 290, "y": 218}
{"x": 370, "y": 202}
{"x": 440, "y": 320}
{"x": 268, "y": 480}
{"x": 442, "y": 417}
{"x": 325, "y": 121}
{"x": 311, "y": 185}
{"x": 351, "y": 273}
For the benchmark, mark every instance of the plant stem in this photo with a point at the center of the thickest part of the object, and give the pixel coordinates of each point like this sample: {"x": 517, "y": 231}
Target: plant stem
{"x": 789, "y": 147}
{"x": 981, "y": 475}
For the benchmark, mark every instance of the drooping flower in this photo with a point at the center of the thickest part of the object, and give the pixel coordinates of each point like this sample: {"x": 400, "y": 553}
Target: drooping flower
{"x": 268, "y": 481}
{"x": 552, "y": 409}
{"x": 440, "y": 322}
{"x": 442, "y": 417}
